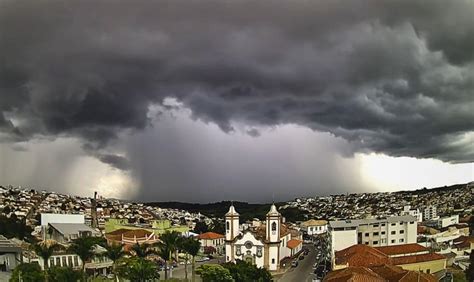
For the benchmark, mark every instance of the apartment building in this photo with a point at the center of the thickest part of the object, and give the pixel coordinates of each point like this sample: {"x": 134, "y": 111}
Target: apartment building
{"x": 430, "y": 213}
{"x": 407, "y": 210}
{"x": 376, "y": 232}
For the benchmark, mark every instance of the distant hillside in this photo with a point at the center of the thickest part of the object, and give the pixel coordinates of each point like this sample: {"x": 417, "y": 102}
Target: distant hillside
{"x": 436, "y": 189}
{"x": 247, "y": 211}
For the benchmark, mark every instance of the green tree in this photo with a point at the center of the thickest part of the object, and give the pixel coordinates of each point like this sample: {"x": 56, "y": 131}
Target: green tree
{"x": 167, "y": 246}
{"x": 186, "y": 245}
{"x": 114, "y": 253}
{"x": 214, "y": 273}
{"x": 27, "y": 272}
{"x": 201, "y": 227}
{"x": 84, "y": 248}
{"x": 63, "y": 274}
{"x": 137, "y": 269}
{"x": 242, "y": 271}
{"x": 142, "y": 250}
{"x": 45, "y": 249}
{"x": 192, "y": 248}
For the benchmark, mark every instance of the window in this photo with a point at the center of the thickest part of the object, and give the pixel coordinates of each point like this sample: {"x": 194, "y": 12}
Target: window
{"x": 428, "y": 271}
{"x": 401, "y": 223}
{"x": 402, "y": 231}
{"x": 411, "y": 222}
{"x": 393, "y": 224}
{"x": 51, "y": 262}
{"x": 393, "y": 232}
{"x": 401, "y": 240}
{"x": 58, "y": 261}
{"x": 238, "y": 251}
{"x": 273, "y": 261}
{"x": 366, "y": 234}
{"x": 227, "y": 226}
{"x": 76, "y": 261}
{"x": 274, "y": 226}
{"x": 376, "y": 234}
{"x": 366, "y": 243}
{"x": 259, "y": 251}
{"x": 69, "y": 261}
{"x": 376, "y": 225}
{"x": 376, "y": 242}
{"x": 383, "y": 224}
{"x": 383, "y": 233}
{"x": 64, "y": 261}
{"x": 383, "y": 241}
{"x": 393, "y": 241}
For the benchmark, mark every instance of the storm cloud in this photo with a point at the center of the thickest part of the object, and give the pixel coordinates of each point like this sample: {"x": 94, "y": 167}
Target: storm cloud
{"x": 389, "y": 77}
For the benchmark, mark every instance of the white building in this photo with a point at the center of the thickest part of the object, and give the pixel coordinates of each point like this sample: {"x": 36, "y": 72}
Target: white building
{"x": 447, "y": 221}
{"x": 314, "y": 227}
{"x": 395, "y": 230}
{"x": 407, "y": 210}
{"x": 265, "y": 246}
{"x": 430, "y": 213}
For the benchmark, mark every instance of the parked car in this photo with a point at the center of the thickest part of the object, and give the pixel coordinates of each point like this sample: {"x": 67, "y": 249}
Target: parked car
{"x": 294, "y": 263}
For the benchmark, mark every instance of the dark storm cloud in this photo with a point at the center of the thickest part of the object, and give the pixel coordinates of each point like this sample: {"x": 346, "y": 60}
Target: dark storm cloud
{"x": 115, "y": 161}
{"x": 391, "y": 77}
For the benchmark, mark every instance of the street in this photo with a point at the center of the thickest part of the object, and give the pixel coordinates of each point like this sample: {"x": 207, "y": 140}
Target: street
{"x": 304, "y": 271}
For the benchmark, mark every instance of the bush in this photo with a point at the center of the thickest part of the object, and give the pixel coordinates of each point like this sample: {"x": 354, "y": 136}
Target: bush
{"x": 27, "y": 272}
{"x": 214, "y": 273}
{"x": 243, "y": 271}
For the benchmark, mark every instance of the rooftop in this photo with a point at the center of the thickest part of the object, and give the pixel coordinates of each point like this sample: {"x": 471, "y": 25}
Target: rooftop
{"x": 357, "y": 222}
{"x": 210, "y": 236}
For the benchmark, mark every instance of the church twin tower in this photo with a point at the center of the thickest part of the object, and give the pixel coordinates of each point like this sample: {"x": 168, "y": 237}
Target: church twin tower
{"x": 259, "y": 249}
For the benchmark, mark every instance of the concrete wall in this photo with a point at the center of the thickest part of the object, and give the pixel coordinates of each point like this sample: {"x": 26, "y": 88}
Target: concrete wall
{"x": 432, "y": 266}
{"x": 47, "y": 218}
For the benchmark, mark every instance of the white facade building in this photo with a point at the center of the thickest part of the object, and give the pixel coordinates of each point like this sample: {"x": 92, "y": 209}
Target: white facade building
{"x": 314, "y": 227}
{"x": 265, "y": 246}
{"x": 407, "y": 210}
{"x": 395, "y": 230}
{"x": 430, "y": 213}
{"x": 447, "y": 221}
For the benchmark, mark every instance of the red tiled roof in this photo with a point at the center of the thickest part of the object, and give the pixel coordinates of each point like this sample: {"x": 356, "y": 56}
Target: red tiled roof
{"x": 417, "y": 258}
{"x": 293, "y": 243}
{"x": 210, "y": 236}
{"x": 361, "y": 255}
{"x": 402, "y": 249}
{"x": 353, "y": 274}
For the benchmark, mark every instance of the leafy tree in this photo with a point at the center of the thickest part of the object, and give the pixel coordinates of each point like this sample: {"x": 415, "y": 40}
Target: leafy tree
{"x": 167, "y": 246}
{"x": 242, "y": 271}
{"x": 214, "y": 273}
{"x": 218, "y": 227}
{"x": 63, "y": 274}
{"x": 13, "y": 227}
{"x": 114, "y": 253}
{"x": 45, "y": 249}
{"x": 27, "y": 272}
{"x": 84, "y": 248}
{"x": 137, "y": 269}
{"x": 201, "y": 227}
{"x": 188, "y": 245}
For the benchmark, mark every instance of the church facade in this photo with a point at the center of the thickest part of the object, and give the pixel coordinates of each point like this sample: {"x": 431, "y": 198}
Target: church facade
{"x": 264, "y": 245}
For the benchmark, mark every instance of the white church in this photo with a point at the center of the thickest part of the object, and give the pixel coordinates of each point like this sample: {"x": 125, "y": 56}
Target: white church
{"x": 265, "y": 244}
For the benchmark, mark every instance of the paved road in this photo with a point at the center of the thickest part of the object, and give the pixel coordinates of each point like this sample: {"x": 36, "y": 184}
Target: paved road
{"x": 304, "y": 271}
{"x": 178, "y": 272}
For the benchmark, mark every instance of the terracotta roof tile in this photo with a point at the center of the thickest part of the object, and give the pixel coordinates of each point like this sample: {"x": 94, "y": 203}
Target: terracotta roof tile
{"x": 353, "y": 274}
{"x": 417, "y": 258}
{"x": 361, "y": 255}
{"x": 402, "y": 249}
{"x": 293, "y": 243}
{"x": 210, "y": 236}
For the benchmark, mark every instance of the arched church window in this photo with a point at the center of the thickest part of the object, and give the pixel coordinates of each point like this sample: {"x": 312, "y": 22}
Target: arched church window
{"x": 274, "y": 226}
{"x": 227, "y": 225}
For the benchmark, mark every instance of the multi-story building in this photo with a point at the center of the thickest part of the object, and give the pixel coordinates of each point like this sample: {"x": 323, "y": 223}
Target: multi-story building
{"x": 212, "y": 240}
{"x": 407, "y": 210}
{"x": 447, "y": 221}
{"x": 430, "y": 213}
{"x": 376, "y": 232}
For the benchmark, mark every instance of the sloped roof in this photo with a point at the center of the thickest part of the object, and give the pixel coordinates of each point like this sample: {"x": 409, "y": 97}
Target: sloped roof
{"x": 314, "y": 222}
{"x": 417, "y": 258}
{"x": 353, "y": 274}
{"x": 361, "y": 255}
{"x": 402, "y": 249}
{"x": 293, "y": 243}
{"x": 210, "y": 236}
{"x": 73, "y": 228}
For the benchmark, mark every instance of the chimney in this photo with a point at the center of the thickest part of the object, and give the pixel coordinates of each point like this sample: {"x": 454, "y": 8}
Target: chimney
{"x": 95, "y": 222}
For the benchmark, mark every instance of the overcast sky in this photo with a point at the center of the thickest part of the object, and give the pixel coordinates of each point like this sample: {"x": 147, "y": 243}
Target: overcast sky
{"x": 235, "y": 100}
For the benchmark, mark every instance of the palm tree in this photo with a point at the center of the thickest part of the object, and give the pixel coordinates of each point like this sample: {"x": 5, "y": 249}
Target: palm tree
{"x": 114, "y": 252}
{"x": 192, "y": 247}
{"x": 142, "y": 250}
{"x": 186, "y": 245}
{"x": 84, "y": 248}
{"x": 168, "y": 244}
{"x": 45, "y": 250}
